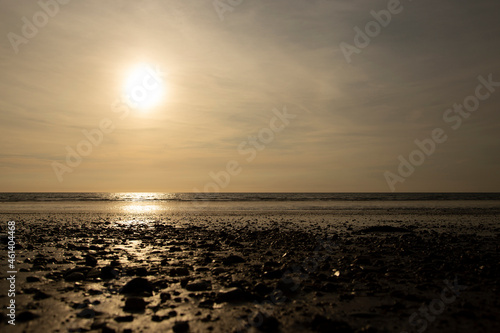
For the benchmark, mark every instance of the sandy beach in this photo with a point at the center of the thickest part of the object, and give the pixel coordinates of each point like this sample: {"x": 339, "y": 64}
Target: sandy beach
{"x": 218, "y": 270}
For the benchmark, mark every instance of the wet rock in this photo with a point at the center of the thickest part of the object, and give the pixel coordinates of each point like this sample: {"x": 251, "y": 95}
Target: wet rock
{"x": 26, "y": 316}
{"x": 137, "y": 286}
{"x": 273, "y": 274}
{"x": 181, "y": 327}
{"x": 199, "y": 285}
{"x": 94, "y": 273}
{"x": 179, "y": 271}
{"x": 102, "y": 325}
{"x": 123, "y": 319}
{"x": 56, "y": 276}
{"x": 288, "y": 287}
{"x": 269, "y": 265}
{"x": 262, "y": 289}
{"x": 206, "y": 303}
{"x": 233, "y": 259}
{"x": 90, "y": 260}
{"x": 234, "y": 294}
{"x": 158, "y": 319}
{"x": 75, "y": 276}
{"x": 40, "y": 295}
{"x": 165, "y": 297}
{"x": 86, "y": 313}
{"x": 31, "y": 279}
{"x": 218, "y": 270}
{"x": 109, "y": 272}
{"x": 135, "y": 304}
{"x": 265, "y": 323}
{"x": 185, "y": 281}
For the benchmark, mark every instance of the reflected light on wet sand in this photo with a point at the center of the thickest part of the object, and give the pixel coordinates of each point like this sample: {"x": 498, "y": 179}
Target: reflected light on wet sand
{"x": 140, "y": 209}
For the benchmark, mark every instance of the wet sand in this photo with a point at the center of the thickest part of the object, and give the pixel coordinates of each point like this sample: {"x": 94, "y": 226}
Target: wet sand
{"x": 256, "y": 271}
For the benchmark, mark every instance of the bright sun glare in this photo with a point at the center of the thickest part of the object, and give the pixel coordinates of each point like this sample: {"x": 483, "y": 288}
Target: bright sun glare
{"x": 144, "y": 87}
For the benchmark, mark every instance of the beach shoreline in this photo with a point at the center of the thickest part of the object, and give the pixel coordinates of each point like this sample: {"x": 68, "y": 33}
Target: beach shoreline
{"x": 224, "y": 271}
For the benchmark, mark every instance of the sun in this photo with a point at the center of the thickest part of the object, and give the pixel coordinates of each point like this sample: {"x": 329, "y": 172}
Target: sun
{"x": 144, "y": 87}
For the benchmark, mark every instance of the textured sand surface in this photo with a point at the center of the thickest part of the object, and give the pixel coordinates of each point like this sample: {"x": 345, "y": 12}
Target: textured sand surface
{"x": 224, "y": 271}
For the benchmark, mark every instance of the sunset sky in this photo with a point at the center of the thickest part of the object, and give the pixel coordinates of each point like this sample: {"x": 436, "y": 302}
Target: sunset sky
{"x": 224, "y": 80}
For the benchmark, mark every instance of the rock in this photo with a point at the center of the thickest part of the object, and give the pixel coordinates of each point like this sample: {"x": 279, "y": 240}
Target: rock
{"x": 179, "y": 271}
{"x": 234, "y": 294}
{"x": 218, "y": 270}
{"x": 31, "y": 279}
{"x": 90, "y": 260}
{"x": 206, "y": 303}
{"x": 165, "y": 297}
{"x": 40, "y": 295}
{"x": 108, "y": 272}
{"x": 137, "y": 286}
{"x": 269, "y": 265}
{"x": 102, "y": 325}
{"x": 181, "y": 327}
{"x": 288, "y": 288}
{"x": 94, "y": 273}
{"x": 86, "y": 313}
{"x": 185, "y": 281}
{"x": 122, "y": 319}
{"x": 75, "y": 276}
{"x": 135, "y": 304}
{"x": 200, "y": 285}
{"x": 267, "y": 323}
{"x": 273, "y": 274}
{"x": 262, "y": 289}
{"x": 26, "y": 316}
{"x": 233, "y": 259}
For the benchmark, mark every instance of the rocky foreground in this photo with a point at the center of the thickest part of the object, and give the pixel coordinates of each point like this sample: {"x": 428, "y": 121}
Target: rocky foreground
{"x": 257, "y": 273}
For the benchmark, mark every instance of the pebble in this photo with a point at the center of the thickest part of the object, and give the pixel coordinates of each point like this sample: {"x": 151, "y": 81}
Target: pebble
{"x": 31, "y": 279}
{"x": 181, "y": 327}
{"x": 75, "y": 276}
{"x": 234, "y": 294}
{"x": 233, "y": 259}
{"x": 199, "y": 285}
{"x": 137, "y": 286}
{"x": 135, "y": 304}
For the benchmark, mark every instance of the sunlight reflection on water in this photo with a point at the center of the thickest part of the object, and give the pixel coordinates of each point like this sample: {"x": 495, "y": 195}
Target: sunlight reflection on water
{"x": 140, "y": 208}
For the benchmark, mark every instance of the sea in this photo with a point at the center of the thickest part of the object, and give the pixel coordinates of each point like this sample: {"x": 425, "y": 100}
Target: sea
{"x": 131, "y": 202}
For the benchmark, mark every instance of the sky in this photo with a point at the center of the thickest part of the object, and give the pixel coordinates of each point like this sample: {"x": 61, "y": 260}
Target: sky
{"x": 255, "y": 95}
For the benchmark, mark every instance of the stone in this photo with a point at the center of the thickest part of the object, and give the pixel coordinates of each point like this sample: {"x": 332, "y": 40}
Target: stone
{"x": 31, "y": 279}
{"x": 135, "y": 304}
{"x": 137, "y": 286}
{"x": 181, "y": 327}
{"x": 90, "y": 260}
{"x": 229, "y": 295}
{"x": 233, "y": 259}
{"x": 75, "y": 276}
{"x": 199, "y": 285}
{"x": 179, "y": 271}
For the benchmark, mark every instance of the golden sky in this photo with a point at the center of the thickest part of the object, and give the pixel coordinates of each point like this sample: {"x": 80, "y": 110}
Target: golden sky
{"x": 228, "y": 75}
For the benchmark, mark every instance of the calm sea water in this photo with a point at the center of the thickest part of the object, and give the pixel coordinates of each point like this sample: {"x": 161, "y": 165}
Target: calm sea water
{"x": 151, "y": 197}
{"x": 152, "y": 203}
